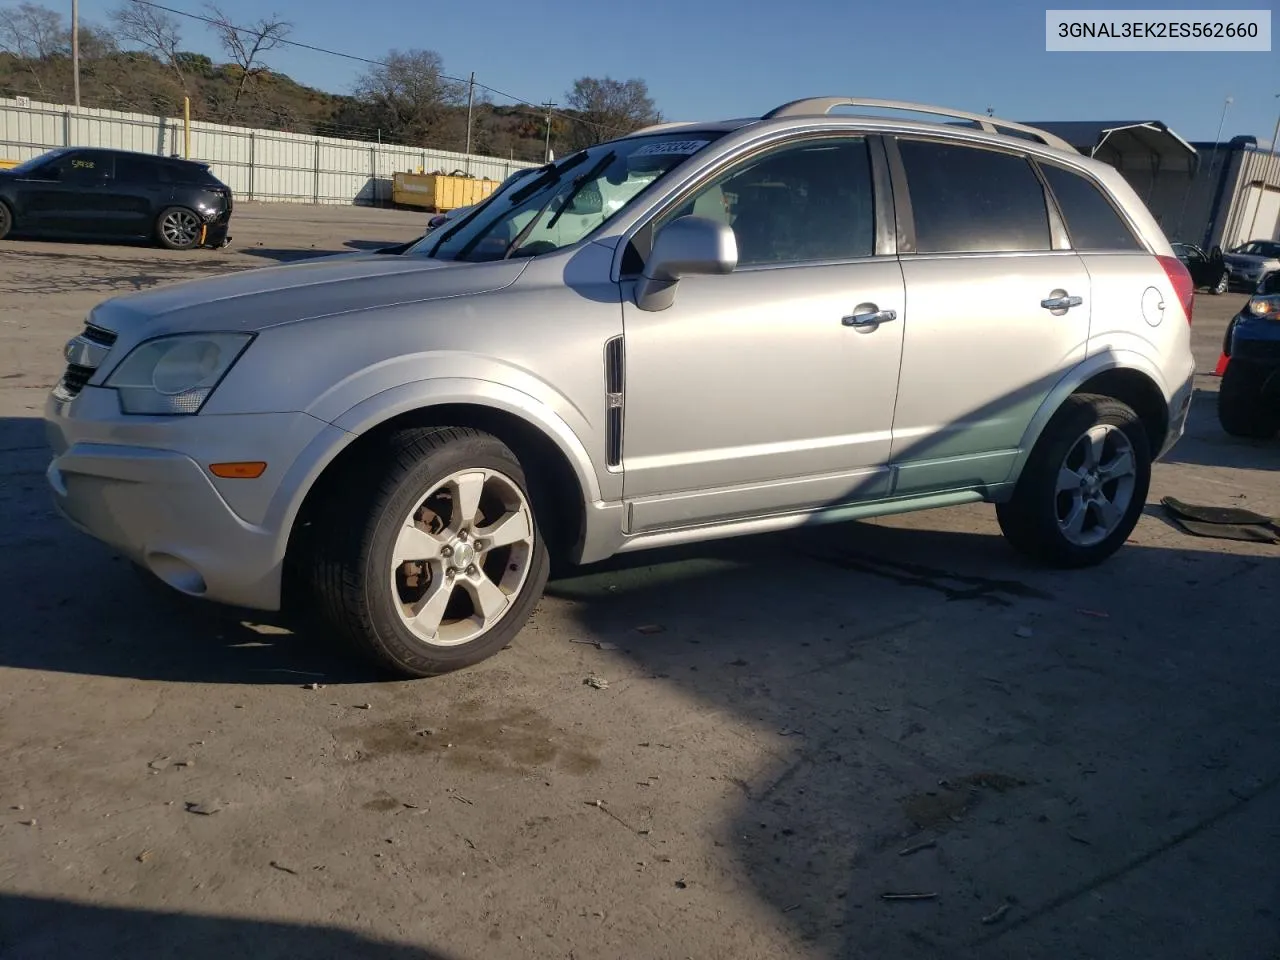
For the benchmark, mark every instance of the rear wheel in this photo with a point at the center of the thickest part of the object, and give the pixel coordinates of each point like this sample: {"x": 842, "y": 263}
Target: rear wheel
{"x": 1083, "y": 487}
{"x": 1243, "y": 408}
{"x": 433, "y": 559}
{"x": 1224, "y": 282}
{"x": 178, "y": 228}
{"x": 6, "y": 219}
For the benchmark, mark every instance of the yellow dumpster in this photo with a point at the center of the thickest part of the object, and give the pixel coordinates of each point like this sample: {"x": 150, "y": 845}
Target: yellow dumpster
{"x": 437, "y": 191}
{"x": 9, "y": 164}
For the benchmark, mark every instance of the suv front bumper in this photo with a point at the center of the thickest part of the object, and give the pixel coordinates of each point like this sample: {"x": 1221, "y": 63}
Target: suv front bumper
{"x": 142, "y": 485}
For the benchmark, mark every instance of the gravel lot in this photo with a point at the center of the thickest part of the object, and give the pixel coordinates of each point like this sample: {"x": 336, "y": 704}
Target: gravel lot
{"x": 1093, "y": 756}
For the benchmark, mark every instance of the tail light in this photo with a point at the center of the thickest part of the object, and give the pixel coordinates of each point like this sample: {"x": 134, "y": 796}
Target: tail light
{"x": 1183, "y": 285}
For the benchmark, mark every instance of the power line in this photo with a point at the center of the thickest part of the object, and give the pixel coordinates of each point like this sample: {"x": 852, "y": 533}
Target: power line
{"x": 376, "y": 63}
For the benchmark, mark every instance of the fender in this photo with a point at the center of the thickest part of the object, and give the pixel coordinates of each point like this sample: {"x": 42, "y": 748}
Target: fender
{"x": 381, "y": 407}
{"x": 1090, "y": 367}
{"x": 369, "y": 413}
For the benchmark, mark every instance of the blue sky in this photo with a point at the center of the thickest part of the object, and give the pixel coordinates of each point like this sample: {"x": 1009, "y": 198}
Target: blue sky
{"x": 728, "y": 58}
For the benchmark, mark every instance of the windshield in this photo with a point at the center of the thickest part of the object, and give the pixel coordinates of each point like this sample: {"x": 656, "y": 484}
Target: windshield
{"x": 558, "y": 205}
{"x": 29, "y": 165}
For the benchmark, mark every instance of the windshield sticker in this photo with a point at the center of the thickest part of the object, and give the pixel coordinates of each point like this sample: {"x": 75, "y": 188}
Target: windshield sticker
{"x": 671, "y": 148}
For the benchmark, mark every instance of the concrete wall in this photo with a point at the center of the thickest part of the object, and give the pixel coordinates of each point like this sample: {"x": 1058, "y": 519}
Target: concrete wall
{"x": 256, "y": 164}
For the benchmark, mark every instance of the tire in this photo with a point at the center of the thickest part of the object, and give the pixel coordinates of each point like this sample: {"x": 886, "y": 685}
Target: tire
{"x": 1223, "y": 284}
{"x": 1243, "y": 410}
{"x": 178, "y": 228}
{"x": 6, "y": 219}
{"x": 1037, "y": 518}
{"x": 424, "y": 472}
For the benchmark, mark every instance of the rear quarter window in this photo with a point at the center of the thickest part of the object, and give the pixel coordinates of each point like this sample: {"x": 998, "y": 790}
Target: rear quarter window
{"x": 1093, "y": 224}
{"x": 973, "y": 200}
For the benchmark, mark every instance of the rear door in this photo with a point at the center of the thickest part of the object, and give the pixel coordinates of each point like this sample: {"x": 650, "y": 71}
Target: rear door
{"x": 142, "y": 187}
{"x": 999, "y": 311}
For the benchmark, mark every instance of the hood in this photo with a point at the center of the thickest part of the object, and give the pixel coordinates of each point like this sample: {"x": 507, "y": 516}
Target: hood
{"x": 257, "y": 299}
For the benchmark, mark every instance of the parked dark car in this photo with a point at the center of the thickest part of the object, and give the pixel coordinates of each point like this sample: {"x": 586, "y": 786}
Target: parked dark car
{"x": 1206, "y": 269}
{"x": 90, "y": 194}
{"x": 1249, "y": 396}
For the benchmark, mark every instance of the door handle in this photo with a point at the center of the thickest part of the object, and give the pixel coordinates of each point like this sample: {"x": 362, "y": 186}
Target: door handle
{"x": 1063, "y": 302}
{"x": 870, "y": 317}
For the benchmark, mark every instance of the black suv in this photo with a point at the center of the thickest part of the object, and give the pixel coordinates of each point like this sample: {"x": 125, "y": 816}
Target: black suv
{"x": 87, "y": 193}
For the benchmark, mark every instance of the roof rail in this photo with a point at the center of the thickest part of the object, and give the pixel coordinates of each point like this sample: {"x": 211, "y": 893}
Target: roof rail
{"x": 824, "y": 105}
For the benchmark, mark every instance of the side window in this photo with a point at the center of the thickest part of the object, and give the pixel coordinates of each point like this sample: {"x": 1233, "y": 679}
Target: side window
{"x": 1092, "y": 222}
{"x": 138, "y": 170}
{"x": 801, "y": 203}
{"x": 85, "y": 168}
{"x": 973, "y": 200}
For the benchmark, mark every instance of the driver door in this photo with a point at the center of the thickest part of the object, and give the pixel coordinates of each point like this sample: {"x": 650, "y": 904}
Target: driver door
{"x": 753, "y": 393}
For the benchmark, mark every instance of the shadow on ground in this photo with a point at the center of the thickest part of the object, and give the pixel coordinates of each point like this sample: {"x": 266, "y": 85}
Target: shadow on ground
{"x": 34, "y": 928}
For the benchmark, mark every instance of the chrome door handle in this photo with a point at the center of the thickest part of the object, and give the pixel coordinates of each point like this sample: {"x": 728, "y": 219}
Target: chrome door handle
{"x": 1061, "y": 303}
{"x": 871, "y": 318}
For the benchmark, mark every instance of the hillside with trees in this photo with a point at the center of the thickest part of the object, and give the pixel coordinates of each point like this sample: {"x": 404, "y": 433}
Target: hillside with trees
{"x": 137, "y": 62}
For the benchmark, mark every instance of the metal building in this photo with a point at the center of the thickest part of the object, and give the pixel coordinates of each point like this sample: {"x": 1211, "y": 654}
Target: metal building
{"x": 1208, "y": 194}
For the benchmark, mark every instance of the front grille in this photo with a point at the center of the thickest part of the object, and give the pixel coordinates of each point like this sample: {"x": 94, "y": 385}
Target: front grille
{"x": 77, "y": 375}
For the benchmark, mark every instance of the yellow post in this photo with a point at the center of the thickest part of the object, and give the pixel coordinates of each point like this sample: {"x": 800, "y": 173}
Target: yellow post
{"x": 186, "y": 127}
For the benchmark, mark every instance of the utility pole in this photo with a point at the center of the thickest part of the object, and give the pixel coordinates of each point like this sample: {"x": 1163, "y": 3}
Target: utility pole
{"x": 1262, "y": 187}
{"x": 471, "y": 97}
{"x": 75, "y": 46}
{"x": 546, "y": 156}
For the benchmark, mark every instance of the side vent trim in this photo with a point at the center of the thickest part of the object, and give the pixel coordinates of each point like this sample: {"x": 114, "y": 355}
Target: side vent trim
{"x": 614, "y": 385}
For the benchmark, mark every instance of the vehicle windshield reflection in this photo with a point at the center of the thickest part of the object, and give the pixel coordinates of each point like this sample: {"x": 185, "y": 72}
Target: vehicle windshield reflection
{"x": 562, "y": 203}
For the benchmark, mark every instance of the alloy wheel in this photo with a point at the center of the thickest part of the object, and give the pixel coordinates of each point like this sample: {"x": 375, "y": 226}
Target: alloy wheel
{"x": 462, "y": 556}
{"x": 1095, "y": 485}
{"x": 181, "y": 228}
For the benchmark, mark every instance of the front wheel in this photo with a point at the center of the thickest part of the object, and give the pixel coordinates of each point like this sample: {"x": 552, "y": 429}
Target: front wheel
{"x": 6, "y": 219}
{"x": 1224, "y": 282}
{"x": 433, "y": 559}
{"x": 1083, "y": 487}
{"x": 177, "y": 228}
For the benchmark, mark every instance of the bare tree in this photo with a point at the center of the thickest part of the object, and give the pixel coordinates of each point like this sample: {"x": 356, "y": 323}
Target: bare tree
{"x": 245, "y": 45}
{"x": 36, "y": 36}
{"x": 155, "y": 31}
{"x": 408, "y": 96}
{"x": 608, "y": 108}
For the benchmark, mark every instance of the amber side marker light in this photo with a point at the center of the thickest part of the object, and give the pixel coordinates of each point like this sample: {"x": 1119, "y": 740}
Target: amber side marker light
{"x": 246, "y": 470}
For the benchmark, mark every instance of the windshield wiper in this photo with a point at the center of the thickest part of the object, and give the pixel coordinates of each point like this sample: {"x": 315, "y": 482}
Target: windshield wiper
{"x": 552, "y": 174}
{"x": 580, "y": 182}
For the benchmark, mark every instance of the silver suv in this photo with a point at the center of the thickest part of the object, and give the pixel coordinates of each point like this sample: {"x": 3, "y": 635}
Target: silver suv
{"x": 696, "y": 331}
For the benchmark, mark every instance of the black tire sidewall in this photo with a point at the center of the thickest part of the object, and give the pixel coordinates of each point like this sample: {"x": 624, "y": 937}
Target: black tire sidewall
{"x": 163, "y": 240}
{"x": 6, "y": 219}
{"x": 393, "y": 641}
{"x": 1223, "y": 284}
{"x": 1242, "y": 407}
{"x": 1029, "y": 519}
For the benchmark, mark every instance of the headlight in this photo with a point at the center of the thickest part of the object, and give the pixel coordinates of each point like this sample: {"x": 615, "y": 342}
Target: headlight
{"x": 175, "y": 375}
{"x": 1268, "y": 306}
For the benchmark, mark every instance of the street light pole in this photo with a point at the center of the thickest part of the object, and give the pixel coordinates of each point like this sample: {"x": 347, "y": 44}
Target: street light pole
{"x": 75, "y": 47}
{"x": 1266, "y": 175}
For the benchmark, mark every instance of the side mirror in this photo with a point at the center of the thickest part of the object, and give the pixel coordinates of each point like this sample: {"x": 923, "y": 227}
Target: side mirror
{"x": 685, "y": 247}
